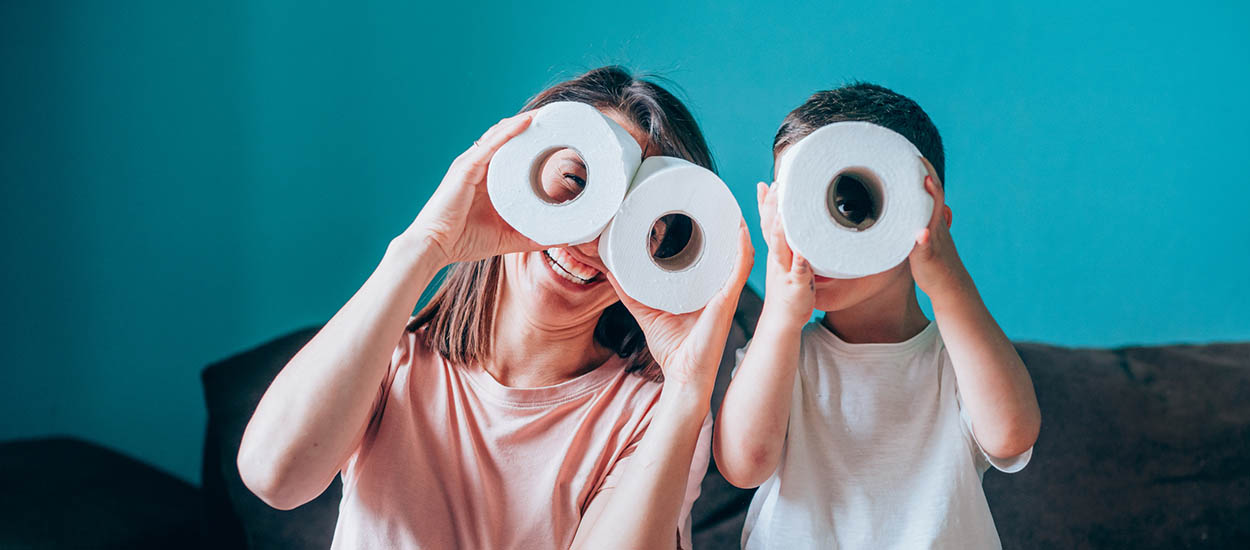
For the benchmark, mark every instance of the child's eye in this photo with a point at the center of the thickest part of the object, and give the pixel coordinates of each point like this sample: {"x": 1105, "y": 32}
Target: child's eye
{"x": 853, "y": 200}
{"x": 856, "y": 211}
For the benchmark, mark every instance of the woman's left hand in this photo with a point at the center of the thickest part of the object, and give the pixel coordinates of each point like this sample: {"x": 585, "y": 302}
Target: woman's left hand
{"x": 688, "y": 346}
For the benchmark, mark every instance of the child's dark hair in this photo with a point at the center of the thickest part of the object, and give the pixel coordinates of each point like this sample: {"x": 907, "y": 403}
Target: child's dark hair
{"x": 868, "y": 103}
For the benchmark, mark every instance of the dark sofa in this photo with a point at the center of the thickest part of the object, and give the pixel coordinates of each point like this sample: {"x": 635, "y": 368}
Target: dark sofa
{"x": 1141, "y": 447}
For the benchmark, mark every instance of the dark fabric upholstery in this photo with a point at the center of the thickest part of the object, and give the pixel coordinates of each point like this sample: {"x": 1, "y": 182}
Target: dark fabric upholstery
{"x": 67, "y": 493}
{"x": 1144, "y": 447}
{"x": 233, "y": 516}
{"x": 1140, "y": 448}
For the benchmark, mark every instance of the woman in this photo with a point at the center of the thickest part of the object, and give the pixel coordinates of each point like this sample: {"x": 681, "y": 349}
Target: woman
{"x": 512, "y": 412}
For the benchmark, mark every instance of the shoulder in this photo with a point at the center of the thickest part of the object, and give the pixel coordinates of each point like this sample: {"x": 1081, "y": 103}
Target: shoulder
{"x": 413, "y": 349}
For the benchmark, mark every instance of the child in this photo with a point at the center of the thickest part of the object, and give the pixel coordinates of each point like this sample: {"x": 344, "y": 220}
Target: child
{"x": 869, "y": 429}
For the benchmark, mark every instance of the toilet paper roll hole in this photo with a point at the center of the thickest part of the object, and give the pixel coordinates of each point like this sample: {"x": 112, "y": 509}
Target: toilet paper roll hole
{"x": 855, "y": 199}
{"x": 676, "y": 241}
{"x": 559, "y": 175}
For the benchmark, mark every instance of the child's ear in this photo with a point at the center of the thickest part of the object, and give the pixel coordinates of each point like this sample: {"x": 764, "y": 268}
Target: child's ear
{"x": 949, "y": 215}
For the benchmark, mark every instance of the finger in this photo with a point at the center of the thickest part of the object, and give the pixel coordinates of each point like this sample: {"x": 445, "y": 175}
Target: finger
{"x": 475, "y": 160}
{"x": 717, "y": 315}
{"x": 800, "y": 267}
{"x": 766, "y": 209}
{"x": 933, "y": 185}
{"x": 503, "y": 125}
{"x": 774, "y": 232}
{"x": 779, "y": 248}
{"x": 932, "y": 171}
{"x": 938, "y": 216}
{"x": 923, "y": 240}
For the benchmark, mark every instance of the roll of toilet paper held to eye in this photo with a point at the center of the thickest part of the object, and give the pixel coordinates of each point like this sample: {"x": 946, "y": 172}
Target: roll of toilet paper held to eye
{"x": 673, "y": 278}
{"x": 611, "y": 157}
{"x": 852, "y": 199}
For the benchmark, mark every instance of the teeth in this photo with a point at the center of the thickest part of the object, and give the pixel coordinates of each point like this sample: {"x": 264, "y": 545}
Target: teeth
{"x": 564, "y": 265}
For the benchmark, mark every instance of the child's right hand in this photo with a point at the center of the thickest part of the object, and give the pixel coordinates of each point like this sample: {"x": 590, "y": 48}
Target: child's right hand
{"x": 789, "y": 288}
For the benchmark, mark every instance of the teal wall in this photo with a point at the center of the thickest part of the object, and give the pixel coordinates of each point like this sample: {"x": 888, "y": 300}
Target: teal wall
{"x": 181, "y": 182}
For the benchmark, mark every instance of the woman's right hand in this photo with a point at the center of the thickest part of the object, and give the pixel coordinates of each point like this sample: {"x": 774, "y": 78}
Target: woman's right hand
{"x": 458, "y": 222}
{"x": 688, "y": 346}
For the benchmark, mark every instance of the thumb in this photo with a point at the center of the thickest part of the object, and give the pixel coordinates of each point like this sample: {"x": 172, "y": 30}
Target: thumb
{"x": 924, "y": 242}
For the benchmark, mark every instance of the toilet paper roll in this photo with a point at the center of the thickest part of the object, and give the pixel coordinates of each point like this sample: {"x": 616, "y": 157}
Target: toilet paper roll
{"x": 611, "y": 156}
{"x": 890, "y": 168}
{"x": 685, "y": 281}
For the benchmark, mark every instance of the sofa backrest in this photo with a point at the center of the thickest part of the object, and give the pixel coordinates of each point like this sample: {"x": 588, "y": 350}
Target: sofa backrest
{"x": 1143, "y": 447}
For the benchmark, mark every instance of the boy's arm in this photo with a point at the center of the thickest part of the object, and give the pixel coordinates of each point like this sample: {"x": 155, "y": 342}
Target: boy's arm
{"x": 993, "y": 381}
{"x": 751, "y": 426}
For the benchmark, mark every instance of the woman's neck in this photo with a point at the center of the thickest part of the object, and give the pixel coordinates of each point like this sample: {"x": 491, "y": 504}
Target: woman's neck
{"x": 532, "y": 348}
{"x": 887, "y": 317}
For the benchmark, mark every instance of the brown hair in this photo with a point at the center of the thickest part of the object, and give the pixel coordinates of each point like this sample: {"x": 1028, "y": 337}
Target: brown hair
{"x": 868, "y": 103}
{"x": 459, "y": 318}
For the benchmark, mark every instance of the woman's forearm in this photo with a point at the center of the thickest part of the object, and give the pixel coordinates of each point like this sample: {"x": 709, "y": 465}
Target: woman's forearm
{"x": 642, "y": 510}
{"x": 751, "y": 426}
{"x": 312, "y": 417}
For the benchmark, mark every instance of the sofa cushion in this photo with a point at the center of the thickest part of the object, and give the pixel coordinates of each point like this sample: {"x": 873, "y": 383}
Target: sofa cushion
{"x": 62, "y": 492}
{"x": 1142, "y": 447}
{"x": 233, "y": 516}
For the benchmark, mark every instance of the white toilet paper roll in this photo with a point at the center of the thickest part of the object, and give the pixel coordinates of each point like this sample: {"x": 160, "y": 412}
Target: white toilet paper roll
{"x": 685, "y": 281}
{"x": 611, "y": 156}
{"x": 889, "y": 167}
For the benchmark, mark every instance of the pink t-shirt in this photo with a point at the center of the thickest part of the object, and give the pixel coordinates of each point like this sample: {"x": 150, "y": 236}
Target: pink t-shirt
{"x": 454, "y": 459}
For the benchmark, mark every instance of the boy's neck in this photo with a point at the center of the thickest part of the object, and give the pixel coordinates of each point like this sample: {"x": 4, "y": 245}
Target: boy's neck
{"x": 885, "y": 318}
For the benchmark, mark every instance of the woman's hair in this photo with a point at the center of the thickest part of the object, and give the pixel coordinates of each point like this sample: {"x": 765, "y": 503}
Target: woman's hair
{"x": 459, "y": 318}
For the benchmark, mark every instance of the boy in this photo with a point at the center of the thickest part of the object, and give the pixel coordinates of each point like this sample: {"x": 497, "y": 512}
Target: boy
{"x": 869, "y": 429}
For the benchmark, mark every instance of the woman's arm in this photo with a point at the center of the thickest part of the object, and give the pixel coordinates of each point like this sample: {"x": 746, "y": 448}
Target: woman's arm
{"x": 993, "y": 382}
{"x": 751, "y": 427}
{"x": 314, "y": 414}
{"x": 644, "y": 508}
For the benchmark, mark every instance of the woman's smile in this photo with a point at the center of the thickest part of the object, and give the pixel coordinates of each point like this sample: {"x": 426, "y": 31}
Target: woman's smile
{"x": 569, "y": 268}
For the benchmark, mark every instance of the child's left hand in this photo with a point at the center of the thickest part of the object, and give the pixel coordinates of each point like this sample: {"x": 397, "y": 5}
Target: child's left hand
{"x": 935, "y": 265}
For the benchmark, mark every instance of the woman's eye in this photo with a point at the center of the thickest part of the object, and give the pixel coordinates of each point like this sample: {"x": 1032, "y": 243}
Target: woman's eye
{"x": 576, "y": 180}
{"x": 657, "y": 235}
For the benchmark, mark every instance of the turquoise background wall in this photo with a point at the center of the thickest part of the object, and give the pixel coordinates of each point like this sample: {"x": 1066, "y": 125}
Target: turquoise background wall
{"x": 184, "y": 181}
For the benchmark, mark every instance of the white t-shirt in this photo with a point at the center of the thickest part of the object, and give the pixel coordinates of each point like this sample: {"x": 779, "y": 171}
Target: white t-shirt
{"x": 878, "y": 453}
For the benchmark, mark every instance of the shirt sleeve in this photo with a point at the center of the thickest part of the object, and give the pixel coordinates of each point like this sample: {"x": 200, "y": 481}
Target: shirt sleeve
{"x": 400, "y": 356}
{"x": 1009, "y": 465}
{"x": 738, "y": 355}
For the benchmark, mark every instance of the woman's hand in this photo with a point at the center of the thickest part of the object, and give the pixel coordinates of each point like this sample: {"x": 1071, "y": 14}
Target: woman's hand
{"x": 790, "y": 283}
{"x": 688, "y": 347}
{"x": 459, "y": 221}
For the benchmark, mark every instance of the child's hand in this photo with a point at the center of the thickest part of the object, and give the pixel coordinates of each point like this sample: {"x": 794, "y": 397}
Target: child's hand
{"x": 789, "y": 287}
{"x": 935, "y": 265}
